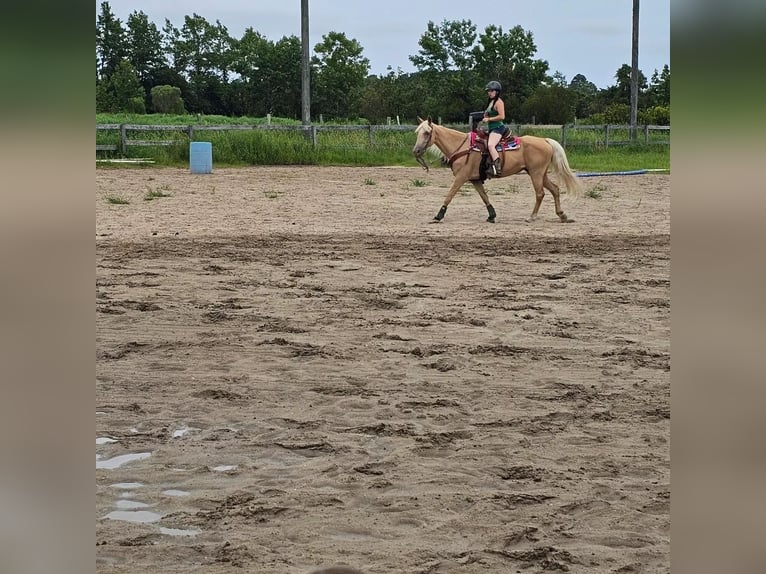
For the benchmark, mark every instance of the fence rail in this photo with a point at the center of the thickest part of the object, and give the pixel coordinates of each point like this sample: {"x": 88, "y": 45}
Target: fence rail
{"x": 567, "y": 134}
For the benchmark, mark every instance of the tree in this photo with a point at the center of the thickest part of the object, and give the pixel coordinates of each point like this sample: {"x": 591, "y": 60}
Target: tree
{"x": 509, "y": 58}
{"x": 144, "y": 48}
{"x": 340, "y": 72}
{"x": 659, "y": 87}
{"x": 446, "y": 47}
{"x": 585, "y": 93}
{"x": 622, "y": 93}
{"x": 392, "y": 95}
{"x": 284, "y": 76}
{"x": 550, "y": 105}
{"x": 447, "y": 64}
{"x": 248, "y": 94}
{"x": 167, "y": 100}
{"x": 201, "y": 52}
{"x": 121, "y": 92}
{"x": 110, "y": 42}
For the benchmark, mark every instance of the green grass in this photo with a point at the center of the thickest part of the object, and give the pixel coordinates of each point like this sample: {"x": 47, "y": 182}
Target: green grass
{"x": 624, "y": 158}
{"x": 116, "y": 200}
{"x": 161, "y": 191}
{"x": 284, "y": 144}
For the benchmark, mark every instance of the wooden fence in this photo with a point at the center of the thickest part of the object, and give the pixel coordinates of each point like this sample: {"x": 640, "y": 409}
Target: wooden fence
{"x": 568, "y": 135}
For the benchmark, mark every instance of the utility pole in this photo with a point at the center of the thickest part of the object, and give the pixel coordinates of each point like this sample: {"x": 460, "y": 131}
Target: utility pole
{"x": 305, "y": 70}
{"x": 634, "y": 77}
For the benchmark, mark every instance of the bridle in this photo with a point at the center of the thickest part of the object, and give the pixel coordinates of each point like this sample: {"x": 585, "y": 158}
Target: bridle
{"x": 419, "y": 158}
{"x": 449, "y": 158}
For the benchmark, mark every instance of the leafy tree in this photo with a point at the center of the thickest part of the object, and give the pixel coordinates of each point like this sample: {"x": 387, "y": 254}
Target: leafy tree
{"x": 550, "y": 105}
{"x": 269, "y": 76}
{"x": 340, "y": 72}
{"x": 201, "y": 52}
{"x": 144, "y": 48}
{"x": 620, "y": 92}
{"x": 617, "y": 113}
{"x": 282, "y": 84}
{"x": 558, "y": 79}
{"x": 446, "y": 47}
{"x": 655, "y": 115}
{"x": 509, "y": 58}
{"x": 659, "y": 87}
{"x": 110, "y": 42}
{"x": 446, "y": 62}
{"x": 167, "y": 100}
{"x": 121, "y": 92}
{"x": 585, "y": 93}
{"x": 392, "y": 95}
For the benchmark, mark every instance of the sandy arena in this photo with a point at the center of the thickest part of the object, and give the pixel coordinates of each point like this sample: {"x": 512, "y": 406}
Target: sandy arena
{"x": 307, "y": 372}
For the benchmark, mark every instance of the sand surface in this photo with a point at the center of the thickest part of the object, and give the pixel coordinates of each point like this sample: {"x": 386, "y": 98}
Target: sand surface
{"x": 307, "y": 372}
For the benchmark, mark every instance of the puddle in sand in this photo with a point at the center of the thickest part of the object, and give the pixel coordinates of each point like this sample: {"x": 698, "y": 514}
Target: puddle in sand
{"x": 182, "y": 431}
{"x": 104, "y": 440}
{"x": 131, "y": 504}
{"x": 178, "y": 531}
{"x": 127, "y": 485}
{"x": 173, "y": 492}
{"x": 118, "y": 461}
{"x": 142, "y": 516}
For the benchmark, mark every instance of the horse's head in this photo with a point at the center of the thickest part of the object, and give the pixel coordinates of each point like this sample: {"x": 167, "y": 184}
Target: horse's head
{"x": 424, "y": 132}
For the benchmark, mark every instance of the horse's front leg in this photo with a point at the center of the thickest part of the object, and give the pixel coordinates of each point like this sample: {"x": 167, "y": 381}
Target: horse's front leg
{"x": 479, "y": 187}
{"x": 461, "y": 176}
{"x": 457, "y": 183}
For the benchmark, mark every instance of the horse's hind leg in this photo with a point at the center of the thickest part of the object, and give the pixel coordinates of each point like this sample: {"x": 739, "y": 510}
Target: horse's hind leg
{"x": 537, "y": 182}
{"x": 554, "y": 189}
{"x": 479, "y": 187}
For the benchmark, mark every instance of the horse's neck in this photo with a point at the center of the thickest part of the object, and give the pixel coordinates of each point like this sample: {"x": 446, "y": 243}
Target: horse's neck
{"x": 450, "y": 141}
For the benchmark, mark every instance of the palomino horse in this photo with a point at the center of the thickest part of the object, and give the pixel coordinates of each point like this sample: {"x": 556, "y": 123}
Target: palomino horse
{"x": 463, "y": 154}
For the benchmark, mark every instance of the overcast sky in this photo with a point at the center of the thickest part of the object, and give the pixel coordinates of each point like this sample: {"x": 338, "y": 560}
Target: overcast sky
{"x": 589, "y": 37}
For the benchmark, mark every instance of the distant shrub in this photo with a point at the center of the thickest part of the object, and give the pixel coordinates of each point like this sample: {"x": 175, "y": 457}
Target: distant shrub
{"x": 167, "y": 100}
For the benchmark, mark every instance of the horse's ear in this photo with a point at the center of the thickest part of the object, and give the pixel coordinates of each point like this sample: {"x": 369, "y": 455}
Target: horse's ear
{"x": 420, "y": 120}
{"x": 429, "y": 120}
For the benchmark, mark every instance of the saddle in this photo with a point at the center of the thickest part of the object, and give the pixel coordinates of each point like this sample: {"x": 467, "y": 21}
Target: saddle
{"x": 507, "y": 141}
{"x": 479, "y": 136}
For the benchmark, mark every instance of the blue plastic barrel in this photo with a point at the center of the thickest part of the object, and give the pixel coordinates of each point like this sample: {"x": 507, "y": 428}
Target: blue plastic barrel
{"x": 201, "y": 157}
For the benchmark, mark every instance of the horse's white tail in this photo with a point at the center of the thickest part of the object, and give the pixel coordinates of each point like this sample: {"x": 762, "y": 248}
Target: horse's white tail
{"x": 560, "y": 165}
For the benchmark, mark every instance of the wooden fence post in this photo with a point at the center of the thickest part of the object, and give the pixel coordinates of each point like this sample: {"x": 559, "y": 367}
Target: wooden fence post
{"x": 564, "y": 135}
{"x": 646, "y": 134}
{"x": 606, "y": 135}
{"x": 123, "y": 139}
{"x": 190, "y": 131}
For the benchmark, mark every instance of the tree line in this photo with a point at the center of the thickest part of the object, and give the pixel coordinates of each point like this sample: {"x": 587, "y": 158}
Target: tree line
{"x": 201, "y": 68}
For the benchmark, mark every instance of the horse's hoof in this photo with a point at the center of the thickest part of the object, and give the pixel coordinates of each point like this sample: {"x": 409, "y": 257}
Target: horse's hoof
{"x": 490, "y": 220}
{"x": 434, "y": 220}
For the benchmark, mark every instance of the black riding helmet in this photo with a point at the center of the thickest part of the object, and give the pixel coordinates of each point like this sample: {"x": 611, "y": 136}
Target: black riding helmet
{"x": 494, "y": 85}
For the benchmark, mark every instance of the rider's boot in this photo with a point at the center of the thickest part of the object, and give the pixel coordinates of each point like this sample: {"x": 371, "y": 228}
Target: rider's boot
{"x": 496, "y": 169}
